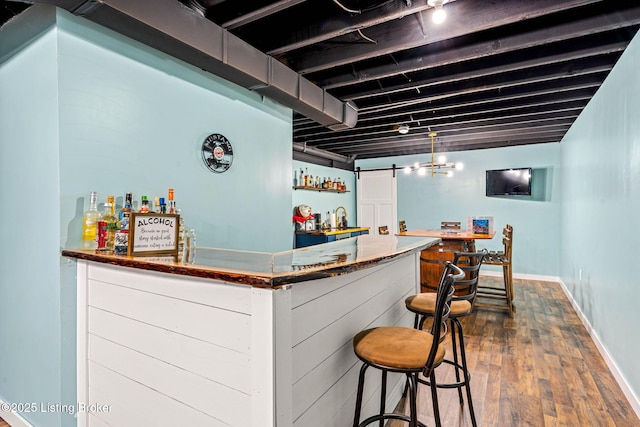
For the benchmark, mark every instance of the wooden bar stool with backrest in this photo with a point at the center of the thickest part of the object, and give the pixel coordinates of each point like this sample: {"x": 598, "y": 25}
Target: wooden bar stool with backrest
{"x": 494, "y": 296}
{"x": 404, "y": 350}
{"x": 424, "y": 306}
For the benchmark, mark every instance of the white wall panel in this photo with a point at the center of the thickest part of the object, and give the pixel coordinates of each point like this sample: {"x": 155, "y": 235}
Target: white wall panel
{"x": 202, "y": 291}
{"x": 193, "y": 390}
{"x": 129, "y": 397}
{"x": 211, "y": 361}
{"x": 226, "y": 328}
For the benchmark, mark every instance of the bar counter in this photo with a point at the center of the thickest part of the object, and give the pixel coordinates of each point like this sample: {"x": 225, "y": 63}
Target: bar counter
{"x": 238, "y": 338}
{"x": 261, "y": 269}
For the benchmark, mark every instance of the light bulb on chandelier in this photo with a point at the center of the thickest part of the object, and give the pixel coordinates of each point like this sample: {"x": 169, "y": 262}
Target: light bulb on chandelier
{"x": 435, "y": 167}
{"x": 423, "y": 168}
{"x": 439, "y": 15}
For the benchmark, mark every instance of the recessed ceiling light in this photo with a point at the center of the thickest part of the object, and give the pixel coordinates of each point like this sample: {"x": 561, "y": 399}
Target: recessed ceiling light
{"x": 403, "y": 129}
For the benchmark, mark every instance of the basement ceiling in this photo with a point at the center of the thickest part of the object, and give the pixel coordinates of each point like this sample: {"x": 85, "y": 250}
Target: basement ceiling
{"x": 496, "y": 73}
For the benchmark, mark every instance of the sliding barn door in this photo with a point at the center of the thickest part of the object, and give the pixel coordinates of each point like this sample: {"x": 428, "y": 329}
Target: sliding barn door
{"x": 376, "y": 200}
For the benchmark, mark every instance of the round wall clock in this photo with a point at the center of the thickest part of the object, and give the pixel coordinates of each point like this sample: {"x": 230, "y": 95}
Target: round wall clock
{"x": 217, "y": 153}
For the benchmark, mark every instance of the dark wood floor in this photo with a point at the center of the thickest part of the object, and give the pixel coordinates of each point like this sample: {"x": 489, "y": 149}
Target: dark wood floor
{"x": 540, "y": 368}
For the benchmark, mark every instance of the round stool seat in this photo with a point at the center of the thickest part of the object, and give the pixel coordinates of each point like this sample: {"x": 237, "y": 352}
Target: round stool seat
{"x": 396, "y": 347}
{"x": 425, "y": 303}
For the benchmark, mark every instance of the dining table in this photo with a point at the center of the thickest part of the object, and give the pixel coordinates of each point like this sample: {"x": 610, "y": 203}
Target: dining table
{"x": 432, "y": 259}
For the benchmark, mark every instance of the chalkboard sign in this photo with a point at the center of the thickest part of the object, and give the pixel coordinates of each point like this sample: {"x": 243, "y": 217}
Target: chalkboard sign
{"x": 153, "y": 234}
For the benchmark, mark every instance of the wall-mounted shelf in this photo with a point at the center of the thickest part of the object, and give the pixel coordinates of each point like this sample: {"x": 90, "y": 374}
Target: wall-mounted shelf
{"x": 319, "y": 189}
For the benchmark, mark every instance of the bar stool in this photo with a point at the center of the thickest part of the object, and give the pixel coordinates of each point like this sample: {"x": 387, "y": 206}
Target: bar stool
{"x": 494, "y": 296}
{"x": 424, "y": 306}
{"x": 404, "y": 350}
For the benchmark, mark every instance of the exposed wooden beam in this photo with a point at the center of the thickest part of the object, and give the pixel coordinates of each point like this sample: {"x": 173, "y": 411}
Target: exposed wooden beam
{"x": 537, "y": 37}
{"x": 464, "y": 18}
{"x": 497, "y": 70}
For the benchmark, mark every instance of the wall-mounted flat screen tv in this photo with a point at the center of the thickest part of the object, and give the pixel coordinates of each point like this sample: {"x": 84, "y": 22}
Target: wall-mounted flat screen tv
{"x": 509, "y": 182}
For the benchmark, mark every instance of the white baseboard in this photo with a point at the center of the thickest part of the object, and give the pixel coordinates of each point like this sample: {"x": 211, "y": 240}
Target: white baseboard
{"x": 13, "y": 418}
{"x": 539, "y": 277}
{"x": 619, "y": 377}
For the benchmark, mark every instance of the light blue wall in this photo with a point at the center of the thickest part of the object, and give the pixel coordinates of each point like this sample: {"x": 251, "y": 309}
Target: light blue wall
{"x": 30, "y": 300}
{"x": 132, "y": 119}
{"x": 601, "y": 205}
{"x": 83, "y": 109}
{"x": 425, "y": 201}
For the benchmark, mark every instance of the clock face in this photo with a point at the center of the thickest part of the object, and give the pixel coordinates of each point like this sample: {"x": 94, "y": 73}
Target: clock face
{"x": 217, "y": 153}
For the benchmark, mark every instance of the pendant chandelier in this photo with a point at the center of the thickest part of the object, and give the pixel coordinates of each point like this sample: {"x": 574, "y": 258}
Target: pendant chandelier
{"x": 434, "y": 167}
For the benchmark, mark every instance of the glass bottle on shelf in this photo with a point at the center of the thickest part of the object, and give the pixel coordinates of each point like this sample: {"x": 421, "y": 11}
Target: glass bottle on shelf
{"x": 301, "y": 178}
{"x": 107, "y": 226}
{"x": 89, "y": 222}
{"x": 156, "y": 204}
{"x": 163, "y": 206}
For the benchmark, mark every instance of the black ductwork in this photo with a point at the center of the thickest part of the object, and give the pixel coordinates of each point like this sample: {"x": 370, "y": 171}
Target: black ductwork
{"x": 173, "y": 28}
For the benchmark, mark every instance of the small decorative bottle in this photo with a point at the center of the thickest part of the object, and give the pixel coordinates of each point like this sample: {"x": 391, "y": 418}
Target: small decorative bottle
{"x": 144, "y": 206}
{"x": 172, "y": 203}
{"x": 121, "y": 244}
{"x": 107, "y": 226}
{"x": 89, "y": 223}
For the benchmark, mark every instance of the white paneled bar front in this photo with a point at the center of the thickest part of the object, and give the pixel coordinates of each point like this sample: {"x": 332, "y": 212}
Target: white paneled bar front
{"x": 156, "y": 348}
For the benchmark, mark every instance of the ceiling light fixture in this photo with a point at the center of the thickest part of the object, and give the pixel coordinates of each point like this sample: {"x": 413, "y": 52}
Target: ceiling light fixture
{"x": 403, "y": 129}
{"x": 423, "y": 168}
{"x": 439, "y": 15}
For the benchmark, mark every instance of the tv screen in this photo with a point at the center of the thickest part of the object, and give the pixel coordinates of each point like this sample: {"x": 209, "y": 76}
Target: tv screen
{"x": 509, "y": 182}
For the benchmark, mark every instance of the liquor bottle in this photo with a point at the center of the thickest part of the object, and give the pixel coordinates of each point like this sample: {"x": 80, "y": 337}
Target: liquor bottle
{"x": 144, "y": 206}
{"x": 163, "y": 206}
{"x": 301, "y": 178}
{"x": 107, "y": 226}
{"x": 172, "y": 203}
{"x": 89, "y": 223}
{"x": 121, "y": 242}
{"x": 306, "y": 177}
{"x": 156, "y": 205}
{"x": 127, "y": 207}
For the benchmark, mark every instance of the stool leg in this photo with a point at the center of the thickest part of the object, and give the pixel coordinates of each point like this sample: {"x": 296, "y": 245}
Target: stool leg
{"x": 467, "y": 375}
{"x": 413, "y": 392}
{"x": 383, "y": 395}
{"x": 434, "y": 398}
{"x": 455, "y": 357}
{"x": 356, "y": 419}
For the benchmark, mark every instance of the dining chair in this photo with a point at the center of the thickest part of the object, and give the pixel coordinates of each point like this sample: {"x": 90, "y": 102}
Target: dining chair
{"x": 500, "y": 297}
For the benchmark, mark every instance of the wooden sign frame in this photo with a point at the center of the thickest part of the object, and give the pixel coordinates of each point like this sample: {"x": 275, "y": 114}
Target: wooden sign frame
{"x": 153, "y": 234}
